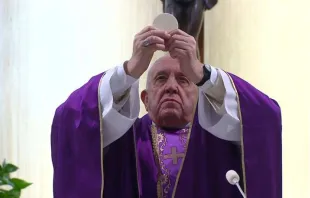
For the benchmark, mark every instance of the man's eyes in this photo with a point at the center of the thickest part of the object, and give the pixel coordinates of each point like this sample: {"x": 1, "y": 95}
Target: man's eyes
{"x": 181, "y": 79}
{"x": 161, "y": 77}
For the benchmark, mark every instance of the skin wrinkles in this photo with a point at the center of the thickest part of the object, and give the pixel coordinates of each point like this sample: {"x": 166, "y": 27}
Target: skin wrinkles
{"x": 170, "y": 97}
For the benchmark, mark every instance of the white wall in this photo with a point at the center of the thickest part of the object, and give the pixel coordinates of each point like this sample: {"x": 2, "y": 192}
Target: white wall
{"x": 48, "y": 49}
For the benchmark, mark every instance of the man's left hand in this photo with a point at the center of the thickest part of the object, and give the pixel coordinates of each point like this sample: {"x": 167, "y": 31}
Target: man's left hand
{"x": 183, "y": 47}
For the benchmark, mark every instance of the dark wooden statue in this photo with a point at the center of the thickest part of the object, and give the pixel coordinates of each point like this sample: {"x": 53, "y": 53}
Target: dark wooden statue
{"x": 190, "y": 15}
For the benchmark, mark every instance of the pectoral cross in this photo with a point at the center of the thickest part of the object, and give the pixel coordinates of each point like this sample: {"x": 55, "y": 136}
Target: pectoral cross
{"x": 174, "y": 155}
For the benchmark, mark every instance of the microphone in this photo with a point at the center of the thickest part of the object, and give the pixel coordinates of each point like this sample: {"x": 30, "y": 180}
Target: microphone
{"x": 233, "y": 178}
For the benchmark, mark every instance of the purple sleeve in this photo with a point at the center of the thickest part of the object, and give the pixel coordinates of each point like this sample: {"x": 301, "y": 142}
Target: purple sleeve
{"x": 261, "y": 141}
{"x": 76, "y": 144}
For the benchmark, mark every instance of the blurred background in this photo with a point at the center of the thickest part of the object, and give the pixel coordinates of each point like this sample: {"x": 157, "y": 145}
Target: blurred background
{"x": 48, "y": 48}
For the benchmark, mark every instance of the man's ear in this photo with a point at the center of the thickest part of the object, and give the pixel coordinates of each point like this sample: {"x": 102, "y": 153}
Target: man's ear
{"x": 145, "y": 99}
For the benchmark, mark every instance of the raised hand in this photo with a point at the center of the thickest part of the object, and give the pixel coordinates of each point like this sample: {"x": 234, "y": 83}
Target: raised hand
{"x": 182, "y": 46}
{"x": 146, "y": 42}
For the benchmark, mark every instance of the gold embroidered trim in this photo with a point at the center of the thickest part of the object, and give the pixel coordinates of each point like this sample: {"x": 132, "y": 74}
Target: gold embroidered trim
{"x": 183, "y": 139}
{"x": 156, "y": 157}
{"x": 136, "y": 156}
{"x": 101, "y": 136}
{"x": 241, "y": 129}
{"x": 165, "y": 178}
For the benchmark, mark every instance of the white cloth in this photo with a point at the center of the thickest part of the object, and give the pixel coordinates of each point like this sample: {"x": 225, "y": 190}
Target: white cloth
{"x": 217, "y": 106}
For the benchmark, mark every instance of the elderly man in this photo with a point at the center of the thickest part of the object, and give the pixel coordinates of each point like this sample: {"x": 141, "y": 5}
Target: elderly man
{"x": 201, "y": 123}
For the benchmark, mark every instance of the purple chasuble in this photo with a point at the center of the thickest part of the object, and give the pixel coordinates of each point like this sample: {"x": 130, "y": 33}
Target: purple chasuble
{"x": 137, "y": 164}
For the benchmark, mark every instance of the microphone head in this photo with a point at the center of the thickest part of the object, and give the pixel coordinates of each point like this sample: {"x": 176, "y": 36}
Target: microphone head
{"x": 232, "y": 177}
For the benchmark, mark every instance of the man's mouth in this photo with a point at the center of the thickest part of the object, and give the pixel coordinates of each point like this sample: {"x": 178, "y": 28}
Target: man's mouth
{"x": 169, "y": 100}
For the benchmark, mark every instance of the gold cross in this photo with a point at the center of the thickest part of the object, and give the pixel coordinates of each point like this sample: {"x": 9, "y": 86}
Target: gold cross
{"x": 174, "y": 155}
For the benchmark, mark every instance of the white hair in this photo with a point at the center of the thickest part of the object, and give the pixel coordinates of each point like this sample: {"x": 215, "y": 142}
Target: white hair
{"x": 148, "y": 76}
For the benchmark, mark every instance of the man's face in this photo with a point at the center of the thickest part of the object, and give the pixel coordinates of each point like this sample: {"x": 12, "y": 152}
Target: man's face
{"x": 170, "y": 98}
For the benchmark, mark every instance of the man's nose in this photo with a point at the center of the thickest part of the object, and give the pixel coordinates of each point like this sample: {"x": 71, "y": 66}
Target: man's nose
{"x": 171, "y": 86}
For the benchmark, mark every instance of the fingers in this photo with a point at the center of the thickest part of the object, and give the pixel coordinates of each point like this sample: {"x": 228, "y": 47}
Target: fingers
{"x": 152, "y": 31}
{"x": 158, "y": 33}
{"x": 151, "y": 38}
{"x": 180, "y": 39}
{"x": 176, "y": 38}
{"x": 179, "y": 32}
{"x": 156, "y": 47}
{"x": 178, "y": 53}
{"x": 145, "y": 43}
{"x": 178, "y": 44}
{"x": 186, "y": 43}
{"x": 146, "y": 29}
{"x": 181, "y": 44}
{"x": 155, "y": 39}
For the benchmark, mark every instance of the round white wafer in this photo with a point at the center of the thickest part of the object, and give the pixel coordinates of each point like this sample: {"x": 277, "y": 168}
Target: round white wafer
{"x": 166, "y": 22}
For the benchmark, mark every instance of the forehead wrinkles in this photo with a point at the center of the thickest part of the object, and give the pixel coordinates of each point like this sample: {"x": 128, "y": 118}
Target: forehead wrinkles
{"x": 164, "y": 67}
{"x": 161, "y": 64}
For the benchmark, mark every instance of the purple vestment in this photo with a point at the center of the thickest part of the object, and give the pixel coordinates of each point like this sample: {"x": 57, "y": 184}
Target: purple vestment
{"x": 134, "y": 164}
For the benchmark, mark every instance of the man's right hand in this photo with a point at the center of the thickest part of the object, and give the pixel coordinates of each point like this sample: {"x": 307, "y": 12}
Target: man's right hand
{"x": 146, "y": 42}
